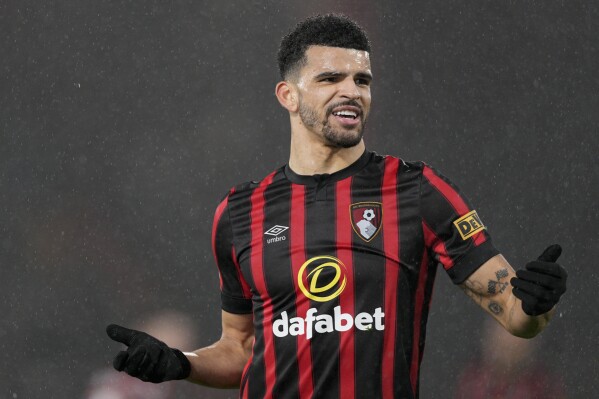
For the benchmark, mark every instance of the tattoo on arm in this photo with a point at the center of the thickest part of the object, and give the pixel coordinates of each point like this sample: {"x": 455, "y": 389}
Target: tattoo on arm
{"x": 495, "y": 308}
{"x": 484, "y": 296}
{"x": 497, "y": 286}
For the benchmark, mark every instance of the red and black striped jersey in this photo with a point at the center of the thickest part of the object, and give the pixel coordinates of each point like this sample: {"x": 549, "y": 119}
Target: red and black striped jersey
{"x": 338, "y": 272}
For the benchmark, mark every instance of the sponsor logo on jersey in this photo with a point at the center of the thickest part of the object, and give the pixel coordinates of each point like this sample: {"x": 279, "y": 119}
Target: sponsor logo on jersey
{"x": 366, "y": 219}
{"x": 326, "y": 323}
{"x": 322, "y": 279}
{"x": 469, "y": 224}
{"x": 274, "y": 231}
{"x": 325, "y": 278}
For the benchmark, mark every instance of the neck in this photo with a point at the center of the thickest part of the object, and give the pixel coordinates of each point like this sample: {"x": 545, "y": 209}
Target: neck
{"x": 309, "y": 156}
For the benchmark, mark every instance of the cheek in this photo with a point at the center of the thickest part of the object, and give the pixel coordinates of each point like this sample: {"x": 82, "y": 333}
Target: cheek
{"x": 324, "y": 96}
{"x": 366, "y": 100}
{"x": 316, "y": 97}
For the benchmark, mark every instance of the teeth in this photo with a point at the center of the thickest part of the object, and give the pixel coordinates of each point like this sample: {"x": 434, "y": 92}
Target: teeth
{"x": 351, "y": 114}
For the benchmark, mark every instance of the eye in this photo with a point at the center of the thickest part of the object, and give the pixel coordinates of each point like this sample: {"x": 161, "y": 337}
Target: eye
{"x": 362, "y": 82}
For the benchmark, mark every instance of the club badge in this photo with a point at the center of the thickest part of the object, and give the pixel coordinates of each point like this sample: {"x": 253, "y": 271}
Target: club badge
{"x": 366, "y": 219}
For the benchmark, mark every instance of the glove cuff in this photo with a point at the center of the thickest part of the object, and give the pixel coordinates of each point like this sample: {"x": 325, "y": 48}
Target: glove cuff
{"x": 185, "y": 364}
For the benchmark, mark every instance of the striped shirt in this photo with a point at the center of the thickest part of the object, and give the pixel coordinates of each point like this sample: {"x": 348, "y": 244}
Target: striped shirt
{"x": 338, "y": 272}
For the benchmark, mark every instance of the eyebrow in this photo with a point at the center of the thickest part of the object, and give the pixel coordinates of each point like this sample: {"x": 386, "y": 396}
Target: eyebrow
{"x": 362, "y": 75}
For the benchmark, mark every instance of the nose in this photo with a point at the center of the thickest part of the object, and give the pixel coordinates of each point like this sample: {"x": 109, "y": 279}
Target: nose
{"x": 349, "y": 89}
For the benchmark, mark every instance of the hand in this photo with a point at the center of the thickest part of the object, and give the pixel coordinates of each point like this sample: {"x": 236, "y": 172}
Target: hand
{"x": 540, "y": 286}
{"x": 146, "y": 357}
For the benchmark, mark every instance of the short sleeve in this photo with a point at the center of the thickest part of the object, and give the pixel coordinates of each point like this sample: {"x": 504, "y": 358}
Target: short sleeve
{"x": 236, "y": 295}
{"x": 453, "y": 231}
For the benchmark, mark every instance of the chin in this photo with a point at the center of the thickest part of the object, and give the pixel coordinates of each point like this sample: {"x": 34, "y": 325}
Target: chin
{"x": 343, "y": 139}
{"x": 344, "y": 142}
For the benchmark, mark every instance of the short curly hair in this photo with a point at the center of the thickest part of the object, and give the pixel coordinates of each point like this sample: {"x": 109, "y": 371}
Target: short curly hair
{"x": 333, "y": 30}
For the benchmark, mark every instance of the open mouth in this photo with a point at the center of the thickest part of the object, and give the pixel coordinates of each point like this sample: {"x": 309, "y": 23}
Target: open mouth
{"x": 346, "y": 114}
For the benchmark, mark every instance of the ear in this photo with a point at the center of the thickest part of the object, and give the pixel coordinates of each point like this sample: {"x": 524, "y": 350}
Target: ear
{"x": 287, "y": 95}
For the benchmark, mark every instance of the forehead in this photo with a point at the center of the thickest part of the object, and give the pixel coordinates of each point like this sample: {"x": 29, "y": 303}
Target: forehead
{"x": 335, "y": 59}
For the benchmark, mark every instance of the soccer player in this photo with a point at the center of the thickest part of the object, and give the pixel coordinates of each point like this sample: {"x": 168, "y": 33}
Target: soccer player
{"x": 327, "y": 264}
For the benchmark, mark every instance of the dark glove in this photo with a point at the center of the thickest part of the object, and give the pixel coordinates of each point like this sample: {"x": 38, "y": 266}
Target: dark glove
{"x": 540, "y": 286}
{"x": 146, "y": 357}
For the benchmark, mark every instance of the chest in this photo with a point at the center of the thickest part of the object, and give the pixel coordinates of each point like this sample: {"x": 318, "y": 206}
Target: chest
{"x": 319, "y": 239}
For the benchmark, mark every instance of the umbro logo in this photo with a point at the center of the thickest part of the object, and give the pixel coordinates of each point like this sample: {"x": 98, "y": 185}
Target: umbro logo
{"x": 275, "y": 231}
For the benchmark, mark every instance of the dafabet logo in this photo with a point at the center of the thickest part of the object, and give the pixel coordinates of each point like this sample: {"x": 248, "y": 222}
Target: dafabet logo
{"x": 329, "y": 288}
{"x": 322, "y": 279}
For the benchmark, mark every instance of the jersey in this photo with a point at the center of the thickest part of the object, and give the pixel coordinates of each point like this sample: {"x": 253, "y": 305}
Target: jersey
{"x": 338, "y": 272}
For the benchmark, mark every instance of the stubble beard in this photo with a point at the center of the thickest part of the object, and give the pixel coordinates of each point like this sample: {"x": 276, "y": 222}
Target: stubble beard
{"x": 338, "y": 138}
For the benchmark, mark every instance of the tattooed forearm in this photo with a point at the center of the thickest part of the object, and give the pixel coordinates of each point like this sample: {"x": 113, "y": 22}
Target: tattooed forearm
{"x": 489, "y": 297}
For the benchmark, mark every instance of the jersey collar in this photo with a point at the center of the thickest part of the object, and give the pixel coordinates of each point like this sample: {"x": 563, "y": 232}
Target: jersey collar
{"x": 310, "y": 180}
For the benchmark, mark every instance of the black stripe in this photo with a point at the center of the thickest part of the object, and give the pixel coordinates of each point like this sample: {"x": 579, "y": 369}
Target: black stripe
{"x": 320, "y": 234}
{"x": 369, "y": 271}
{"x": 411, "y": 244}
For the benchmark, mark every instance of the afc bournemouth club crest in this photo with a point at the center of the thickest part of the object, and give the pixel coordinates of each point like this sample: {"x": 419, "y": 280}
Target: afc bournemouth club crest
{"x": 366, "y": 219}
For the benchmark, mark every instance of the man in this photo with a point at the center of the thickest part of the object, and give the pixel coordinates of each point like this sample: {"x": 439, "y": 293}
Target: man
{"x": 327, "y": 264}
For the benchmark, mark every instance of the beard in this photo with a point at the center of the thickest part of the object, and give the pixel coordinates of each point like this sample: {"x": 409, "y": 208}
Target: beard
{"x": 339, "y": 138}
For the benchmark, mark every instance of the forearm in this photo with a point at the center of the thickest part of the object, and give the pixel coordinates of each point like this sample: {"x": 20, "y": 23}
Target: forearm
{"x": 507, "y": 310}
{"x": 490, "y": 288}
{"x": 220, "y": 365}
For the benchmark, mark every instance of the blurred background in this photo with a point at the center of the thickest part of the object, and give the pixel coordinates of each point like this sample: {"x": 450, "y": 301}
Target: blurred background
{"x": 124, "y": 123}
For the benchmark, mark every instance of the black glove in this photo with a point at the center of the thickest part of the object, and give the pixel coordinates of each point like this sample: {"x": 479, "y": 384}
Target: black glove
{"x": 146, "y": 357}
{"x": 540, "y": 286}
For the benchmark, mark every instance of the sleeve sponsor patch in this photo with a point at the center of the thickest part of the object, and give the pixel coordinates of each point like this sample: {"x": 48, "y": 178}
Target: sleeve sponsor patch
{"x": 468, "y": 225}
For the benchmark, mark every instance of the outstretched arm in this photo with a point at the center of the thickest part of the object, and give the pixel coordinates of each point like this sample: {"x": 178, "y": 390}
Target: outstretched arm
{"x": 522, "y": 302}
{"x": 219, "y": 365}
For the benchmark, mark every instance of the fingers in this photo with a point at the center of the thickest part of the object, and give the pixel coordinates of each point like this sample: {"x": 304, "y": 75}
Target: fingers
{"x": 146, "y": 368}
{"x": 135, "y": 363}
{"x": 547, "y": 268}
{"x": 531, "y": 305}
{"x": 525, "y": 297}
{"x": 120, "y": 361}
{"x": 539, "y": 292}
{"x": 551, "y": 253}
{"x": 545, "y": 280}
{"x": 121, "y": 334}
{"x": 139, "y": 363}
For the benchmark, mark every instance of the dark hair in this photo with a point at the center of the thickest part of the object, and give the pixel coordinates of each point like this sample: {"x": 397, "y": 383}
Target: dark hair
{"x": 332, "y": 30}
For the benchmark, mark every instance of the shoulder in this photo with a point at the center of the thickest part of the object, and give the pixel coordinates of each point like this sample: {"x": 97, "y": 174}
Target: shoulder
{"x": 403, "y": 166}
{"x": 246, "y": 188}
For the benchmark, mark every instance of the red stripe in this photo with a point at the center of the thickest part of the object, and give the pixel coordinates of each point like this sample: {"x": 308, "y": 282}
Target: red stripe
{"x": 432, "y": 241}
{"x": 245, "y": 287}
{"x": 453, "y": 197}
{"x": 244, "y": 388}
{"x": 347, "y": 360}
{"x": 257, "y": 266}
{"x": 217, "y": 215}
{"x": 302, "y": 304}
{"x": 420, "y": 288}
{"x": 391, "y": 248}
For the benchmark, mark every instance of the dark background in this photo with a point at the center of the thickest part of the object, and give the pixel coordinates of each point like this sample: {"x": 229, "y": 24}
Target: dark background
{"x": 123, "y": 124}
